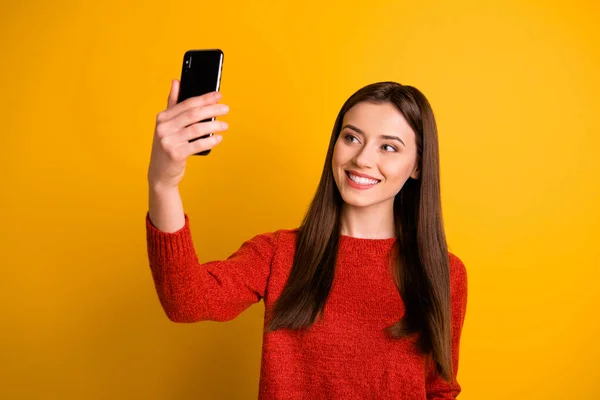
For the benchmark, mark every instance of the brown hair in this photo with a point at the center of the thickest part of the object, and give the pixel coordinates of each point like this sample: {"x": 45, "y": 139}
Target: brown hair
{"x": 421, "y": 267}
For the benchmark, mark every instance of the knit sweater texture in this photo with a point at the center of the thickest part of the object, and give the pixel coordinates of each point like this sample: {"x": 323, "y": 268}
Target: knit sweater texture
{"x": 346, "y": 353}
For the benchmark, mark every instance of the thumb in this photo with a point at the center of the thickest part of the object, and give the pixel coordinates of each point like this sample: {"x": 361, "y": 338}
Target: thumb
{"x": 173, "y": 94}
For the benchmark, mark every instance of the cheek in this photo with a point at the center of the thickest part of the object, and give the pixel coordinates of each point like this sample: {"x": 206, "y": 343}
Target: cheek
{"x": 397, "y": 172}
{"x": 338, "y": 155}
{"x": 337, "y": 161}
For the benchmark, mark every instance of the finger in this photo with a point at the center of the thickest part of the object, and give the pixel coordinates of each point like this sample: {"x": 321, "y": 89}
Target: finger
{"x": 173, "y": 93}
{"x": 202, "y": 128}
{"x": 201, "y": 145}
{"x": 197, "y": 114}
{"x": 196, "y": 101}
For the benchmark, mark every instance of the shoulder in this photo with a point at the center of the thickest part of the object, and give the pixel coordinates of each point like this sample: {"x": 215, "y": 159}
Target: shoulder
{"x": 273, "y": 240}
{"x": 457, "y": 267}
{"x": 458, "y": 278}
{"x": 279, "y": 235}
{"x": 287, "y": 234}
{"x": 286, "y": 239}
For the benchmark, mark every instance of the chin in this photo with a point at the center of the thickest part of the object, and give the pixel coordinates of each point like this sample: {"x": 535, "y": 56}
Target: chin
{"x": 357, "y": 201}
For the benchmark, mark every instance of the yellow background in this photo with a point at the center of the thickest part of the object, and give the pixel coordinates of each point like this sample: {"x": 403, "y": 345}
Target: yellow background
{"x": 514, "y": 85}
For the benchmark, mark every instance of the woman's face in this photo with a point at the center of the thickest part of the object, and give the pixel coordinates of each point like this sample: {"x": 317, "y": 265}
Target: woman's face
{"x": 374, "y": 155}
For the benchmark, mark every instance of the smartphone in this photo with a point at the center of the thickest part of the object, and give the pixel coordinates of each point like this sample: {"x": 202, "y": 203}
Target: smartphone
{"x": 200, "y": 74}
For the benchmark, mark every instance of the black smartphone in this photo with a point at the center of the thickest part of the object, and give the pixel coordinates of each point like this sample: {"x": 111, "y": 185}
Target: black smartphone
{"x": 200, "y": 74}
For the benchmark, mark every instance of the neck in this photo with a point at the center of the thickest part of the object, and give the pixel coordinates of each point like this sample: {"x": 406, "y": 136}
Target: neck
{"x": 373, "y": 222}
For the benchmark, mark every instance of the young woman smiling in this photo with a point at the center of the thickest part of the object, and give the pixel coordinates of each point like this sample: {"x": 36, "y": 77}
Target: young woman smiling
{"x": 363, "y": 299}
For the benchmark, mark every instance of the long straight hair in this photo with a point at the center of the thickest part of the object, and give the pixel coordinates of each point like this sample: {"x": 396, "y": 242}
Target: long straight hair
{"x": 420, "y": 260}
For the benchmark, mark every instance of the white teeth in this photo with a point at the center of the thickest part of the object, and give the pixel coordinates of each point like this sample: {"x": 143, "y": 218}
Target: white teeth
{"x": 362, "y": 181}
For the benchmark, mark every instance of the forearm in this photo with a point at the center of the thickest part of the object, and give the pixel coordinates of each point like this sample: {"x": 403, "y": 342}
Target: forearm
{"x": 165, "y": 208}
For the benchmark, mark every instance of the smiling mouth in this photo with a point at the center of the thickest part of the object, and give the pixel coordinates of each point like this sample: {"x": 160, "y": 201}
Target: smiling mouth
{"x": 361, "y": 181}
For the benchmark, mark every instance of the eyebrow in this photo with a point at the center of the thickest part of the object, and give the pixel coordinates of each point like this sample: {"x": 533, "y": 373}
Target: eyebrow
{"x": 388, "y": 137}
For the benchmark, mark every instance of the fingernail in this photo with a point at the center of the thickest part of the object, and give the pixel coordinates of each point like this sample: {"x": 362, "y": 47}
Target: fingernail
{"x": 224, "y": 108}
{"x": 224, "y": 124}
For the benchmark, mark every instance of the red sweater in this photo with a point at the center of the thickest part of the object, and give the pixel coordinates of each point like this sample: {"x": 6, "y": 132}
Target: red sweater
{"x": 345, "y": 354}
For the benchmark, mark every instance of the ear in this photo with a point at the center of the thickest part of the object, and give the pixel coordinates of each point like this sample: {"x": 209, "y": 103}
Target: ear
{"x": 416, "y": 174}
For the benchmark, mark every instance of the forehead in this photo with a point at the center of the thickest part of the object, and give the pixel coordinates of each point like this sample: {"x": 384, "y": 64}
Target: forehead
{"x": 378, "y": 119}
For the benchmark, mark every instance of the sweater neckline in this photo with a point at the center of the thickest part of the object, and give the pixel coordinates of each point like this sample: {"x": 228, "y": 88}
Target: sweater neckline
{"x": 363, "y": 246}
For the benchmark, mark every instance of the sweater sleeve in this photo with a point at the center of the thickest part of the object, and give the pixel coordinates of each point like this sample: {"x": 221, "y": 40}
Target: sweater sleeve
{"x": 437, "y": 387}
{"x": 215, "y": 291}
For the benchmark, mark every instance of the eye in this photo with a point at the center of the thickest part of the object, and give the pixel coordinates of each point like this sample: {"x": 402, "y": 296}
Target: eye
{"x": 389, "y": 148}
{"x": 350, "y": 138}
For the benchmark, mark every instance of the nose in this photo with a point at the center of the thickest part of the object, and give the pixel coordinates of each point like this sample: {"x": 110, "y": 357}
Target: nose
{"x": 365, "y": 157}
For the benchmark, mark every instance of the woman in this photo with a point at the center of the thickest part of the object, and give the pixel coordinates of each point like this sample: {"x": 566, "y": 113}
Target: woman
{"x": 363, "y": 300}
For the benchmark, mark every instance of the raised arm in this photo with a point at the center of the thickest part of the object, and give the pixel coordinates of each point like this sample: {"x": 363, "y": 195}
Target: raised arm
{"x": 218, "y": 290}
{"x": 189, "y": 291}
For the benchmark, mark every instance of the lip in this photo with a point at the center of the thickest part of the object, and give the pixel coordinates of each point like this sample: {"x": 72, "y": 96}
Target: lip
{"x": 358, "y": 186}
{"x": 362, "y": 175}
